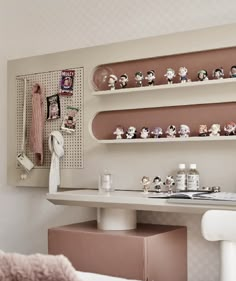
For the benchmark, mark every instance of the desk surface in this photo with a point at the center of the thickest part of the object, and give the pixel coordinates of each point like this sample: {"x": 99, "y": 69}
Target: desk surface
{"x": 136, "y": 200}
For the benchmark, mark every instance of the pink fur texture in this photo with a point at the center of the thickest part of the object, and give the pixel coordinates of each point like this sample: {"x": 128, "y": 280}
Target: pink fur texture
{"x": 16, "y": 267}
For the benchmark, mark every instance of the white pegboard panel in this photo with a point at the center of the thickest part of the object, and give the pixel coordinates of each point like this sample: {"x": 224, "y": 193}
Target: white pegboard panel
{"x": 73, "y": 143}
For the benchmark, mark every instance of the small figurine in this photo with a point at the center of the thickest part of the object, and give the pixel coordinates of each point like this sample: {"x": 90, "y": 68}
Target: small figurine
{"x": 232, "y": 73}
{"x": 119, "y": 132}
{"x": 184, "y": 131}
{"x": 150, "y": 77}
{"x": 112, "y": 81}
{"x": 131, "y": 133}
{"x": 171, "y": 131}
{"x": 124, "y": 80}
{"x": 203, "y": 130}
{"x": 145, "y": 181}
{"x": 214, "y": 130}
{"x": 144, "y": 134}
{"x": 230, "y": 128}
{"x": 139, "y": 78}
{"x": 157, "y": 132}
{"x": 170, "y": 75}
{"x": 202, "y": 75}
{"x": 183, "y": 71}
{"x": 218, "y": 73}
{"x": 158, "y": 183}
{"x": 169, "y": 182}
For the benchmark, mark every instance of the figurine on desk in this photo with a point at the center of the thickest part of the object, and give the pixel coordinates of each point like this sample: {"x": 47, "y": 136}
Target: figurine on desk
{"x": 158, "y": 183}
{"x": 145, "y": 181}
{"x": 169, "y": 182}
{"x": 170, "y": 75}
{"x": 150, "y": 77}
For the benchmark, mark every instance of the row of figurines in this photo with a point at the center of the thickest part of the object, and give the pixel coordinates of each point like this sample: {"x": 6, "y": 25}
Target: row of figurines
{"x": 170, "y": 74}
{"x": 171, "y": 132}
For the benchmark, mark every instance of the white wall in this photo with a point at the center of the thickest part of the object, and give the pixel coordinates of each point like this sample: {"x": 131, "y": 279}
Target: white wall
{"x": 36, "y": 27}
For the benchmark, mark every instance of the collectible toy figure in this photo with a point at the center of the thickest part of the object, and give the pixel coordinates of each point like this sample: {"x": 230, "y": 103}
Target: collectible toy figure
{"x": 112, "y": 81}
{"x": 150, "y": 77}
{"x": 157, "y": 132}
{"x": 214, "y": 130}
{"x": 124, "y": 80}
{"x": 170, "y": 75}
{"x": 203, "y": 130}
{"x": 202, "y": 75}
{"x": 144, "y": 134}
{"x": 218, "y": 73}
{"x": 139, "y": 78}
{"x": 230, "y": 128}
{"x": 145, "y": 181}
{"x": 158, "y": 183}
{"x": 169, "y": 182}
{"x": 184, "y": 131}
{"x": 183, "y": 71}
{"x": 131, "y": 133}
{"x": 119, "y": 132}
{"x": 233, "y": 71}
{"x": 171, "y": 131}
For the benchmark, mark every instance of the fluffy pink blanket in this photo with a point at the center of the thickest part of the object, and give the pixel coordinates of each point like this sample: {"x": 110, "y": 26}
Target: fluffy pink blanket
{"x": 16, "y": 267}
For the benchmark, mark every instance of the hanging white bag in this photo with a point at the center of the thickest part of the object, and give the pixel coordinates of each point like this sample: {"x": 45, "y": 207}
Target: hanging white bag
{"x": 22, "y": 159}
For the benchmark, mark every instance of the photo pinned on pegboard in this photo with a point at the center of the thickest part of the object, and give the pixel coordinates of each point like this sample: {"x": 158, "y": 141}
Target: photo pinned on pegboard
{"x": 67, "y": 81}
{"x": 69, "y": 121}
{"x": 53, "y": 107}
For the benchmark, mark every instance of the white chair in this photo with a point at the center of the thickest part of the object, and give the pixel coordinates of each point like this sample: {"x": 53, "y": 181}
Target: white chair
{"x": 220, "y": 226}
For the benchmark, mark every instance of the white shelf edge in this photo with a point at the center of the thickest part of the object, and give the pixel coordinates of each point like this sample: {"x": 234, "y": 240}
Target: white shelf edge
{"x": 166, "y": 86}
{"x": 164, "y": 140}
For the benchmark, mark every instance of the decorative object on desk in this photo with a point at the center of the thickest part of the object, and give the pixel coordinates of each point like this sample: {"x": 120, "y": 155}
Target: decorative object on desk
{"x": 55, "y": 144}
{"x": 119, "y": 131}
{"x": 144, "y": 133}
{"x": 202, "y": 75}
{"x": 203, "y": 130}
{"x": 193, "y": 178}
{"x": 183, "y": 72}
{"x": 139, "y": 78}
{"x": 67, "y": 81}
{"x": 123, "y": 80}
{"x": 170, "y": 75}
{"x": 131, "y": 133}
{"x": 150, "y": 77}
{"x": 171, "y": 131}
{"x": 69, "y": 121}
{"x": 232, "y": 73}
{"x": 105, "y": 182}
{"x": 218, "y": 73}
{"x": 230, "y": 128}
{"x": 145, "y": 181}
{"x": 53, "y": 107}
{"x": 184, "y": 131}
{"x": 214, "y": 130}
{"x": 37, "y": 123}
{"x": 158, "y": 183}
{"x": 112, "y": 81}
{"x": 157, "y": 132}
{"x": 169, "y": 183}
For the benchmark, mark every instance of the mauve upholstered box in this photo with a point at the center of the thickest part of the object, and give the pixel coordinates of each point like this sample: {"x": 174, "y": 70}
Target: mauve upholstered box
{"x": 150, "y": 252}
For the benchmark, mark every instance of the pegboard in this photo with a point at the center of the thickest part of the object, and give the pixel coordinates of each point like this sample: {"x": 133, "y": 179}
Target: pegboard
{"x": 73, "y": 143}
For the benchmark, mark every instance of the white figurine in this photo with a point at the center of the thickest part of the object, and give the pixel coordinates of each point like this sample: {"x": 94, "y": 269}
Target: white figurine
{"x": 183, "y": 71}
{"x": 214, "y": 130}
{"x": 144, "y": 134}
{"x": 124, "y": 80}
{"x": 139, "y": 78}
{"x": 218, "y": 73}
{"x": 171, "y": 131}
{"x": 119, "y": 132}
{"x": 169, "y": 182}
{"x": 112, "y": 81}
{"x": 170, "y": 75}
{"x": 145, "y": 181}
{"x": 131, "y": 133}
{"x": 150, "y": 77}
{"x": 157, "y": 132}
{"x": 184, "y": 131}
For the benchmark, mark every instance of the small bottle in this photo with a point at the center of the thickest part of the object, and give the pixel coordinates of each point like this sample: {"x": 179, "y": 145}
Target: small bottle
{"x": 193, "y": 182}
{"x": 105, "y": 182}
{"x": 181, "y": 178}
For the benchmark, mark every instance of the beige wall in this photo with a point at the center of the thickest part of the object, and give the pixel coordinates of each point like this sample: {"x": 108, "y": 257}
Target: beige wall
{"x": 37, "y": 27}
